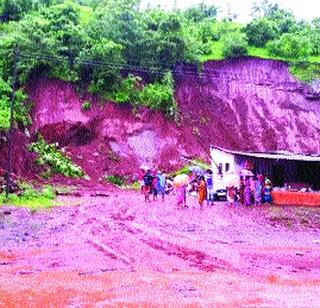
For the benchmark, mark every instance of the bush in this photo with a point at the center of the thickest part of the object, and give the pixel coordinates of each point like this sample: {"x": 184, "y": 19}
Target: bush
{"x": 86, "y": 106}
{"x": 234, "y": 44}
{"x": 290, "y": 45}
{"x": 50, "y": 157}
{"x": 158, "y": 95}
{"x": 221, "y": 28}
{"x": 116, "y": 180}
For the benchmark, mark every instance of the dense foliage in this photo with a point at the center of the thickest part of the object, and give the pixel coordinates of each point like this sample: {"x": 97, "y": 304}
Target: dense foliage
{"x": 21, "y": 110}
{"x": 234, "y": 44}
{"x": 54, "y": 160}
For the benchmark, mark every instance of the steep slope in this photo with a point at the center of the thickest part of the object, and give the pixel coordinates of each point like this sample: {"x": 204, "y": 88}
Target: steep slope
{"x": 251, "y": 104}
{"x": 109, "y": 138}
{"x": 242, "y": 104}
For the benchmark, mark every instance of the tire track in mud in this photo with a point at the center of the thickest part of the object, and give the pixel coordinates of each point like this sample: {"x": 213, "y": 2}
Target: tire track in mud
{"x": 103, "y": 236}
{"x": 154, "y": 239}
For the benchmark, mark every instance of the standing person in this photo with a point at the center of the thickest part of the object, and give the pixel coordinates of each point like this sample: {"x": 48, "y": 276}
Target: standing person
{"x": 147, "y": 179}
{"x": 181, "y": 196}
{"x": 257, "y": 190}
{"x": 154, "y": 187}
{"x": 252, "y": 188}
{"x": 231, "y": 194}
{"x": 161, "y": 184}
{"x": 267, "y": 191}
{"x": 210, "y": 191}
{"x": 247, "y": 191}
{"x": 202, "y": 189}
{"x": 241, "y": 190}
{"x": 141, "y": 181}
{"x": 181, "y": 182}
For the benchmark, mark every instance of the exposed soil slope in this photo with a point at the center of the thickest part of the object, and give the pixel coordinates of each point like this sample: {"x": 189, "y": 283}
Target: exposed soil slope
{"x": 252, "y": 104}
{"x": 247, "y": 104}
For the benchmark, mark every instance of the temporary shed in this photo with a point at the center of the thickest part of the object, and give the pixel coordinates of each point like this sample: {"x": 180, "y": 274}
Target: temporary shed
{"x": 285, "y": 169}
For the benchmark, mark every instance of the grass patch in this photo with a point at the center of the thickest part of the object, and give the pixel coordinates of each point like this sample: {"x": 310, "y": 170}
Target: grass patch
{"x": 305, "y": 71}
{"x": 30, "y": 198}
{"x": 134, "y": 186}
{"x": 216, "y": 52}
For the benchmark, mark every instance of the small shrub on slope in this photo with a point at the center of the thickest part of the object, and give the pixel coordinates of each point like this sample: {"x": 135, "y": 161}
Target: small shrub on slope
{"x": 49, "y": 156}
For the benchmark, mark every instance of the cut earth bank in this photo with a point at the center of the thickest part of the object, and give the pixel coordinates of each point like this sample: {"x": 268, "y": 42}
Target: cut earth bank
{"x": 119, "y": 251}
{"x": 242, "y": 104}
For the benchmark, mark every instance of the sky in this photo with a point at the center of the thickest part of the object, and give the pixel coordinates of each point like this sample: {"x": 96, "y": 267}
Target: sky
{"x": 302, "y": 9}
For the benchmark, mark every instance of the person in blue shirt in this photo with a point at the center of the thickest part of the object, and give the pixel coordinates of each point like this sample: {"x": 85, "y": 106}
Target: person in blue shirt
{"x": 209, "y": 184}
{"x": 161, "y": 184}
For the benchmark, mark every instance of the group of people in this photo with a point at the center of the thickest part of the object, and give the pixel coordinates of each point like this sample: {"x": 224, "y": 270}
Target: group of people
{"x": 254, "y": 190}
{"x": 251, "y": 190}
{"x": 202, "y": 187}
{"x": 153, "y": 184}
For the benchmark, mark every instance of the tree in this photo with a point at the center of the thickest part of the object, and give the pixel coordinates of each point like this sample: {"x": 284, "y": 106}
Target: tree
{"x": 235, "y": 44}
{"x": 105, "y": 58}
{"x": 284, "y": 20}
{"x": 13, "y": 9}
{"x": 290, "y": 45}
{"x": 200, "y": 12}
{"x": 261, "y": 30}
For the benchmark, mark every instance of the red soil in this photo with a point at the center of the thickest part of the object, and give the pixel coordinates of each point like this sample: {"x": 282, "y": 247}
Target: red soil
{"x": 117, "y": 250}
{"x": 242, "y": 104}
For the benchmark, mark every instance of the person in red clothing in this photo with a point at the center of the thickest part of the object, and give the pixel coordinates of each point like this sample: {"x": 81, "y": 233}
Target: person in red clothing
{"x": 141, "y": 181}
{"x": 202, "y": 190}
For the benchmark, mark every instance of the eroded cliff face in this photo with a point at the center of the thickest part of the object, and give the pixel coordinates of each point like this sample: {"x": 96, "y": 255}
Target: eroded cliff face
{"x": 109, "y": 138}
{"x": 251, "y": 104}
{"x": 242, "y": 104}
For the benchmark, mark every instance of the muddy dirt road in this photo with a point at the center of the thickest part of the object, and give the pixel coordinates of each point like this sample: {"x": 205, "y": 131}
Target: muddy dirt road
{"x": 117, "y": 250}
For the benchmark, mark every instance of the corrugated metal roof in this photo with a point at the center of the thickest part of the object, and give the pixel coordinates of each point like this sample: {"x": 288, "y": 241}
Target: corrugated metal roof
{"x": 273, "y": 155}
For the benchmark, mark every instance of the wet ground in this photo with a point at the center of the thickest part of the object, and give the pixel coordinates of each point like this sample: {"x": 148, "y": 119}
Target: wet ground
{"x": 117, "y": 250}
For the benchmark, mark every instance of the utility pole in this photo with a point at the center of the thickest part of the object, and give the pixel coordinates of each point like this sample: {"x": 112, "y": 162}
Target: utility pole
{"x": 13, "y": 95}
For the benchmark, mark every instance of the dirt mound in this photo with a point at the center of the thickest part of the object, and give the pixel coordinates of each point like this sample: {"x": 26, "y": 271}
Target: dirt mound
{"x": 242, "y": 104}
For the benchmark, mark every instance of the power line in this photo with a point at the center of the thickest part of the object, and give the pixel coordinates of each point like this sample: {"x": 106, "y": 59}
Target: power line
{"x": 95, "y": 63}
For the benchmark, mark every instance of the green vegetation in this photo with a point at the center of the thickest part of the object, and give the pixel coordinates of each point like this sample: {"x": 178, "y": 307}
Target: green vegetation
{"x": 186, "y": 168}
{"x": 135, "y": 186}
{"x": 21, "y": 110}
{"x": 30, "y": 197}
{"x": 159, "y": 95}
{"x": 305, "y": 71}
{"x": 116, "y": 180}
{"x": 234, "y": 44}
{"x": 86, "y": 106}
{"x": 54, "y": 160}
